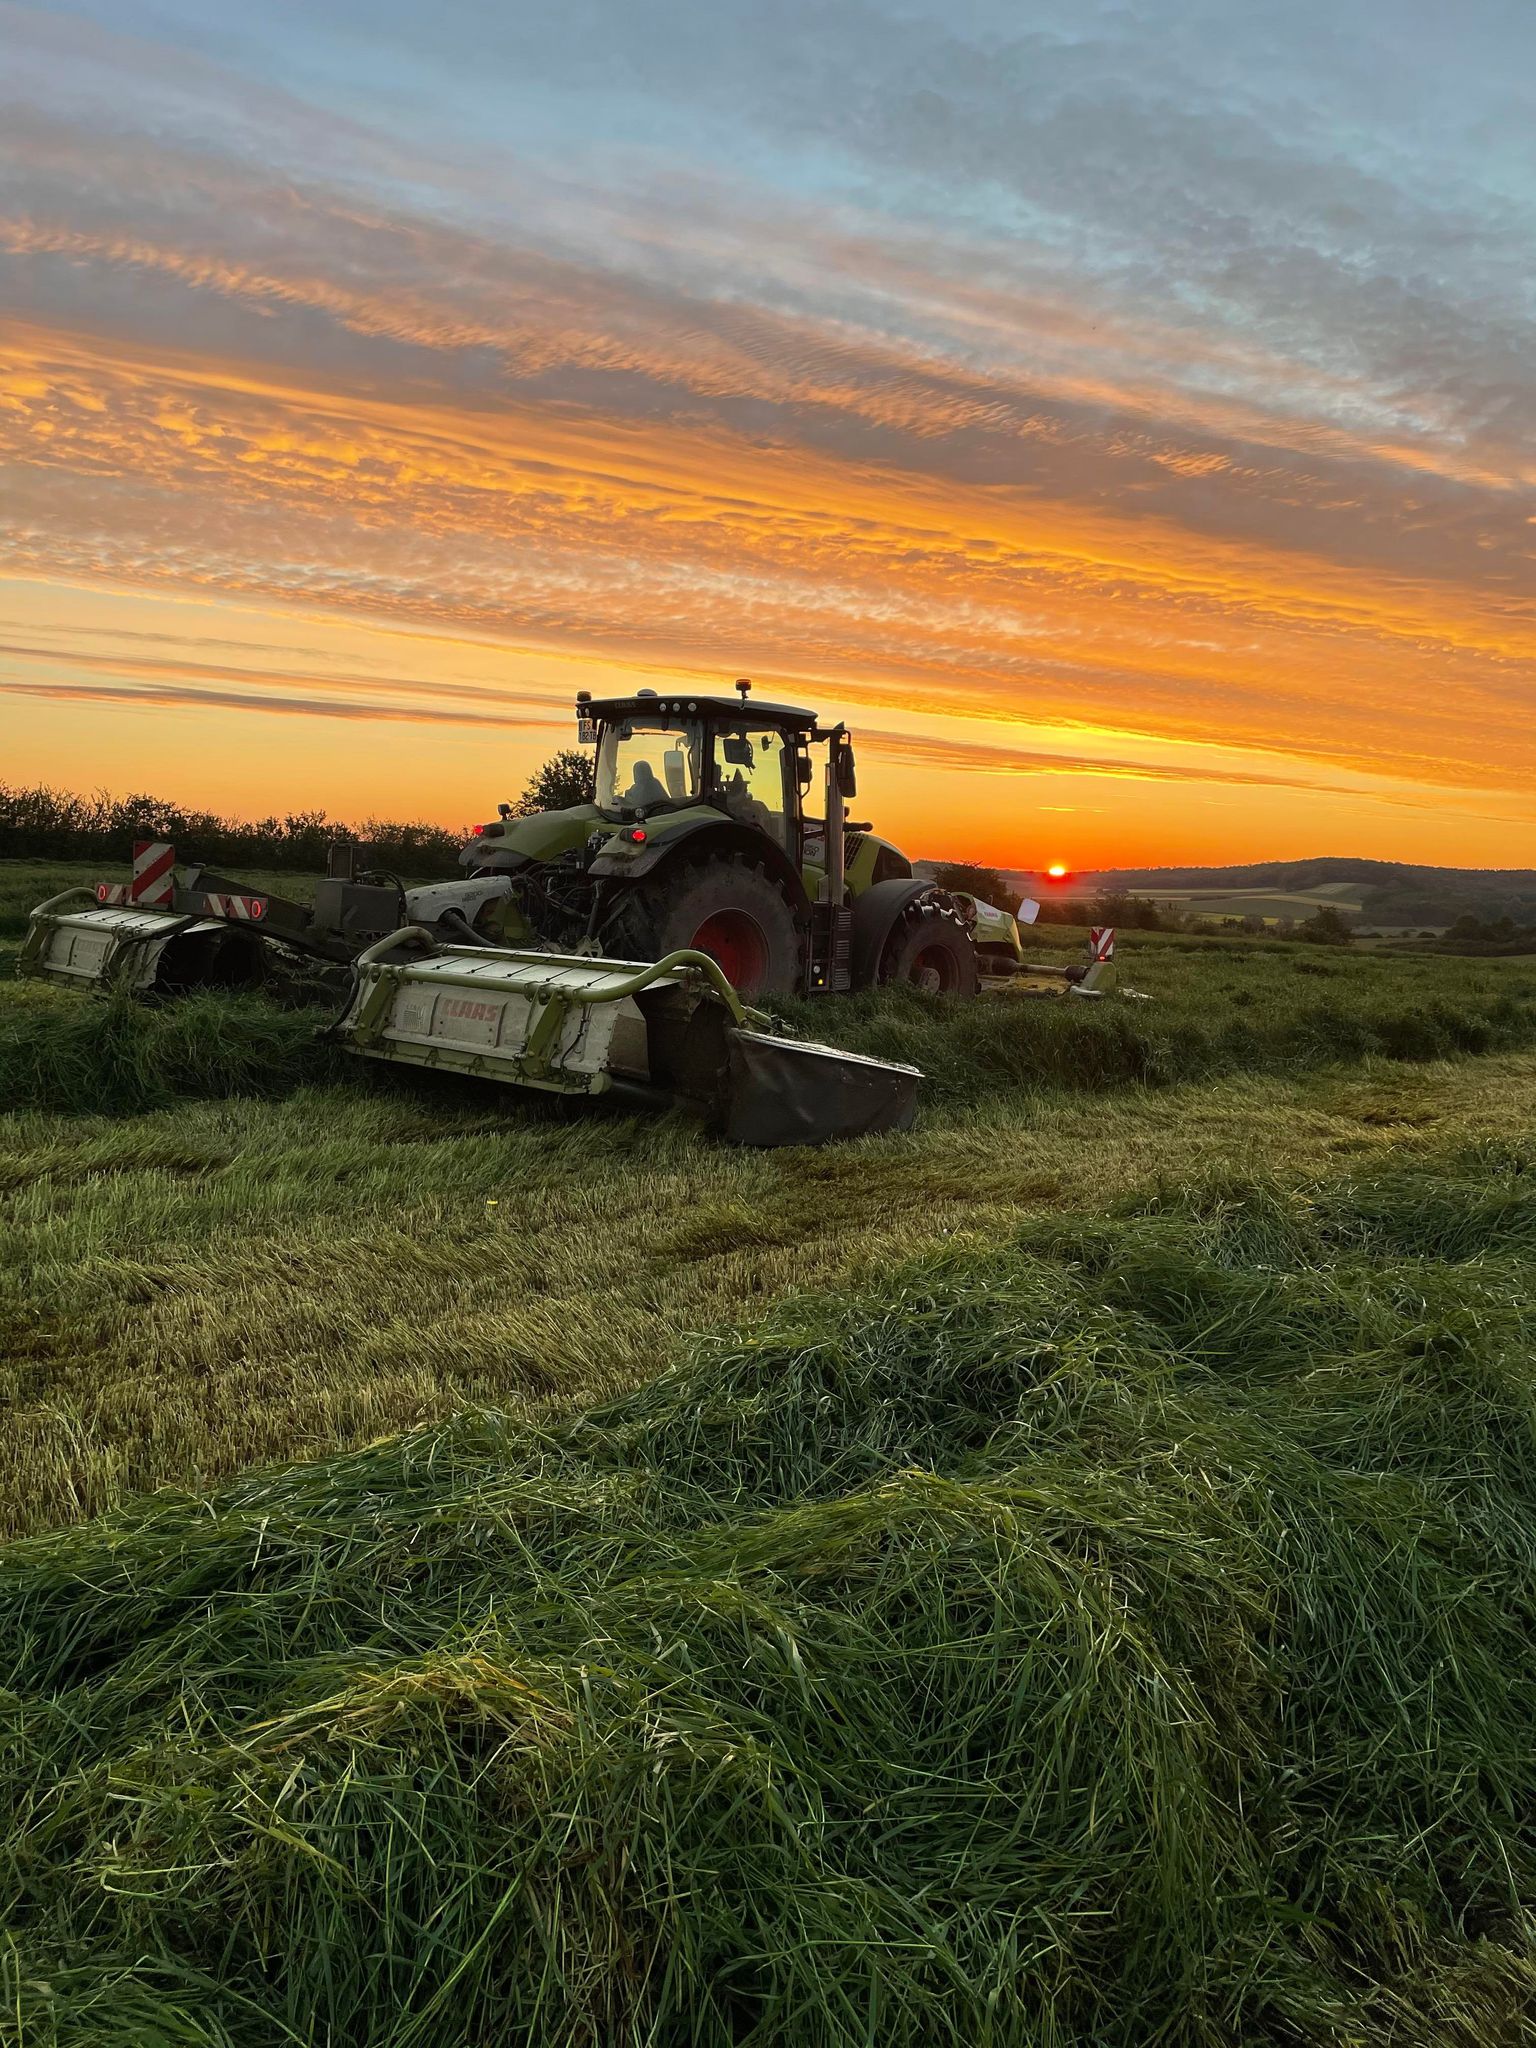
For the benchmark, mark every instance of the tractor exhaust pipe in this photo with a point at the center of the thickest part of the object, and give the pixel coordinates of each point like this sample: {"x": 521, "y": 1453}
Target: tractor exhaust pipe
{"x": 832, "y": 923}
{"x": 834, "y": 881}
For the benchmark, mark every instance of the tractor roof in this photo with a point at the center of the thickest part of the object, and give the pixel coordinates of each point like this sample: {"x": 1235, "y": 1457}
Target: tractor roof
{"x": 701, "y": 703}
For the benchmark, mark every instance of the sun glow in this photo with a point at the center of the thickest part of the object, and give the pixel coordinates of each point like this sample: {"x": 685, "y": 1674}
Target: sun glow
{"x": 1057, "y": 871}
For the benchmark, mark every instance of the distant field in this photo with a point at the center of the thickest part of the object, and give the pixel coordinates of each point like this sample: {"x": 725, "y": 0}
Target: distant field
{"x": 1062, "y": 1574}
{"x": 1271, "y": 905}
{"x": 1295, "y": 903}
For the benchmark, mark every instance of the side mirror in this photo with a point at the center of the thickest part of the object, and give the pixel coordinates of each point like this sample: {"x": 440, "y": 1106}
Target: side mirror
{"x": 805, "y": 774}
{"x": 847, "y": 779}
{"x": 736, "y": 750}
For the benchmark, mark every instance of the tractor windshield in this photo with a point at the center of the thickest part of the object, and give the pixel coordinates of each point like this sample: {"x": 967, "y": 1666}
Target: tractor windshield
{"x": 641, "y": 766}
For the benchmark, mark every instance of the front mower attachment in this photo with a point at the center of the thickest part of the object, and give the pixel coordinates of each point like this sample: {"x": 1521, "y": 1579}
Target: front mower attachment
{"x": 672, "y": 1030}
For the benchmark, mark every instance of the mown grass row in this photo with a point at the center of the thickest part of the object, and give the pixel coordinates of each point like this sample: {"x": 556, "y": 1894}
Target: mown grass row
{"x": 64, "y": 1051}
{"x": 1210, "y": 1011}
{"x": 224, "y": 1283}
{"x": 1121, "y": 1634}
{"x": 1212, "y": 1008}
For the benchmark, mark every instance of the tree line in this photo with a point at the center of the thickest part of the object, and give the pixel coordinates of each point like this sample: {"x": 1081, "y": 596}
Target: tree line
{"x": 42, "y": 823}
{"x": 1487, "y": 936}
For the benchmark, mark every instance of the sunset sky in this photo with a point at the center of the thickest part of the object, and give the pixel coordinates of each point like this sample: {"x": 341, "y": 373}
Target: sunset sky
{"x": 1123, "y": 414}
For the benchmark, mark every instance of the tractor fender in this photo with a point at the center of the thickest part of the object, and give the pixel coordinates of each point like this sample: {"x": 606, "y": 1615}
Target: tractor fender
{"x": 704, "y": 839}
{"x": 875, "y": 916}
{"x": 483, "y": 858}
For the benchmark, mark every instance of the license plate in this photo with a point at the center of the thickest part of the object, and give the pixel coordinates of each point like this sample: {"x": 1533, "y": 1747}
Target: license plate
{"x": 586, "y": 732}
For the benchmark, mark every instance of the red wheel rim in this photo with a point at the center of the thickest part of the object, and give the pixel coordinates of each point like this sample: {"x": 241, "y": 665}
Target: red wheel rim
{"x": 934, "y": 969}
{"x": 736, "y": 941}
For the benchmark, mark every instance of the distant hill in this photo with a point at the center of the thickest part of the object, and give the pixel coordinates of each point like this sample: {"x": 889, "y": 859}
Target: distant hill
{"x": 1383, "y": 894}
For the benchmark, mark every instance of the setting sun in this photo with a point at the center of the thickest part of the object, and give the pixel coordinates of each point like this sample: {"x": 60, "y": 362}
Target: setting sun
{"x": 1057, "y": 871}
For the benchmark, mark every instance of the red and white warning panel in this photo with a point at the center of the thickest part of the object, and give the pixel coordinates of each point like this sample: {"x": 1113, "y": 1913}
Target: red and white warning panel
{"x": 1101, "y": 942}
{"x": 154, "y": 875}
{"x": 154, "y": 888}
{"x": 242, "y": 909}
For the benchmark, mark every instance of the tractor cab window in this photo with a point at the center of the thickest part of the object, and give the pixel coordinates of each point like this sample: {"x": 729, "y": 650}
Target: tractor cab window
{"x": 641, "y": 766}
{"x": 749, "y": 777}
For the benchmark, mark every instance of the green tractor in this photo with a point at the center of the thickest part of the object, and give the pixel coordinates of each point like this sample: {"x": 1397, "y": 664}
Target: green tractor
{"x": 614, "y": 947}
{"x": 699, "y": 837}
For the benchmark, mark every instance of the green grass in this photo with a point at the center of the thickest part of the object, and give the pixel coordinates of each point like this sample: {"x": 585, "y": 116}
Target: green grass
{"x": 1117, "y": 1633}
{"x": 63, "y": 1051}
{"x": 1215, "y": 1007}
{"x": 263, "y": 1250}
{"x": 187, "y": 1293}
{"x": 1062, "y": 1575}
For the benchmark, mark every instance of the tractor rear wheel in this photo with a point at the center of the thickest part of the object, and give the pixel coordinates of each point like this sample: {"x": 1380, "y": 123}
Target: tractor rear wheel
{"x": 726, "y": 909}
{"x": 931, "y": 949}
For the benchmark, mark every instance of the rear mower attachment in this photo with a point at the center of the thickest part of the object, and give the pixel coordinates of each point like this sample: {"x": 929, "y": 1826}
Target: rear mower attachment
{"x": 168, "y": 931}
{"x": 671, "y": 1030}
{"x": 1049, "y": 978}
{"x": 97, "y": 944}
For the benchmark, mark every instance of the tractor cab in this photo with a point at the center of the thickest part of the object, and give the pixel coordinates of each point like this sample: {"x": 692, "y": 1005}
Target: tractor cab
{"x": 659, "y": 754}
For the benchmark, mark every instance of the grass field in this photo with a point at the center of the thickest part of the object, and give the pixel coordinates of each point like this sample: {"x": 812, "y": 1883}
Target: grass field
{"x": 1062, "y": 1575}
{"x": 1270, "y": 904}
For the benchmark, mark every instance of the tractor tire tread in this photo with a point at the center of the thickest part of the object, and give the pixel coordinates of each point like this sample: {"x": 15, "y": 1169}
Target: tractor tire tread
{"x": 636, "y": 927}
{"x": 938, "y": 919}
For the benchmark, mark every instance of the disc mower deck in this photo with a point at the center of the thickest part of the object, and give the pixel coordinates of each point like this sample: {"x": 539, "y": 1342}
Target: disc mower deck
{"x": 671, "y": 1030}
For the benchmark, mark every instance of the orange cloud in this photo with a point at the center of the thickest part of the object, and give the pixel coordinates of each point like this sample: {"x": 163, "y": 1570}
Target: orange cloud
{"x": 669, "y": 542}
{"x": 474, "y": 699}
{"x": 167, "y": 696}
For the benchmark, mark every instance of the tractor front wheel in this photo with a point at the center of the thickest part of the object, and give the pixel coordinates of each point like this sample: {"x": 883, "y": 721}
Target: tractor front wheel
{"x": 726, "y": 909}
{"x": 932, "y": 950}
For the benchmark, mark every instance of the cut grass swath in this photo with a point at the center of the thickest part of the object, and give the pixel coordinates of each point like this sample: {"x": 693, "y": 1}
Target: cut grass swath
{"x": 1212, "y": 1015}
{"x": 60, "y": 1051}
{"x": 1272, "y": 1010}
{"x": 1118, "y": 1635}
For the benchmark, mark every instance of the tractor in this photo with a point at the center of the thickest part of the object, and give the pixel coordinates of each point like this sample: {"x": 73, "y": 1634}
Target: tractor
{"x": 617, "y": 945}
{"x": 699, "y": 836}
